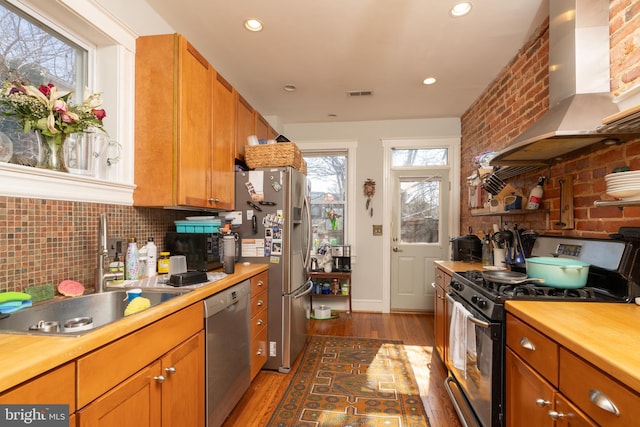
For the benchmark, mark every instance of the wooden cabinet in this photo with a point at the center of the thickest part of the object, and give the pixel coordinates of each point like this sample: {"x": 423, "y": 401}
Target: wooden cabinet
{"x": 245, "y": 124}
{"x": 134, "y": 403}
{"x": 173, "y": 129}
{"x": 259, "y": 311}
{"x": 547, "y": 385}
{"x": 440, "y": 313}
{"x": 262, "y": 126}
{"x": 224, "y": 128}
{"x": 169, "y": 391}
{"x": 54, "y": 387}
{"x": 156, "y": 373}
{"x": 339, "y": 286}
{"x": 184, "y": 384}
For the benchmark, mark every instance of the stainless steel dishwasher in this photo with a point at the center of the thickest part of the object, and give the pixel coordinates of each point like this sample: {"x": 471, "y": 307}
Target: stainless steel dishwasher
{"x": 227, "y": 350}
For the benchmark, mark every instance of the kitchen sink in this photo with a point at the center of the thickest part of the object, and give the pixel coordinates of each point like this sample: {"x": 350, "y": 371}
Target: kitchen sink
{"x": 80, "y": 315}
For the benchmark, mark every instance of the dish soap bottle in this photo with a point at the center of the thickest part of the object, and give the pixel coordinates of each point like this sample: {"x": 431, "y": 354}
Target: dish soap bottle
{"x": 131, "y": 261}
{"x": 535, "y": 196}
{"x": 152, "y": 254}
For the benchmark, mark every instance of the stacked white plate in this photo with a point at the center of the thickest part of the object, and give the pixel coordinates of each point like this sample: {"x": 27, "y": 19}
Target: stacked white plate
{"x": 624, "y": 185}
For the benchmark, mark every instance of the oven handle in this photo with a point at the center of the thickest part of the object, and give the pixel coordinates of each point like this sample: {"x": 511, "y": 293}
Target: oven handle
{"x": 472, "y": 319}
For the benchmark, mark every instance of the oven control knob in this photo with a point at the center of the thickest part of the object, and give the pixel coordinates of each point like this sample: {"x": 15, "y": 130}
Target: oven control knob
{"x": 478, "y": 301}
{"x": 456, "y": 285}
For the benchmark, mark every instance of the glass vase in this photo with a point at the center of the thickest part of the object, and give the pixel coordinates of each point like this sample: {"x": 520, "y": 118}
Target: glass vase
{"x": 51, "y": 152}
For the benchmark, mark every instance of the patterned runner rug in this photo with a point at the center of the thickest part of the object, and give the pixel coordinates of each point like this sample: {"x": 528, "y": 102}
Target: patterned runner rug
{"x": 349, "y": 382}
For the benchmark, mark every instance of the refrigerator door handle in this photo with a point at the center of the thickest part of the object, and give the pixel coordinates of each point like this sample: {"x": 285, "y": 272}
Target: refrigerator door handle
{"x": 309, "y": 286}
{"x": 307, "y": 213}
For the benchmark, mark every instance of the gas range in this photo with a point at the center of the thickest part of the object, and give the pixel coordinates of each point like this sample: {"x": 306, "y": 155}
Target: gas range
{"x": 612, "y": 276}
{"x": 476, "y": 308}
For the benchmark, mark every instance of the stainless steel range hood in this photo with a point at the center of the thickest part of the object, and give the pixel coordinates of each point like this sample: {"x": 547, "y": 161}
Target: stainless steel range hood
{"x": 579, "y": 90}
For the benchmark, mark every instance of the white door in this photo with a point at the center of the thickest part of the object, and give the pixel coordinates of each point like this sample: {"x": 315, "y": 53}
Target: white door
{"x": 419, "y": 235}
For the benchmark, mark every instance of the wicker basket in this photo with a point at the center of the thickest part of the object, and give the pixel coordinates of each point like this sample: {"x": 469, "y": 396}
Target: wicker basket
{"x": 274, "y": 155}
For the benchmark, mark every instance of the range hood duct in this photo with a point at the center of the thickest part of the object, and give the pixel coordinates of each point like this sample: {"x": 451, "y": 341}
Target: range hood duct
{"x": 579, "y": 88}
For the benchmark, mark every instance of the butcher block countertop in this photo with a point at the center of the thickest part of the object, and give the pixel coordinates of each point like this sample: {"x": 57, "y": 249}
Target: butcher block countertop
{"x": 26, "y": 356}
{"x": 453, "y": 266}
{"x": 605, "y": 334}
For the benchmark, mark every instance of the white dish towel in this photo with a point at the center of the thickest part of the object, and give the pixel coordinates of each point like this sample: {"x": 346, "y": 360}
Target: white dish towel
{"x": 462, "y": 337}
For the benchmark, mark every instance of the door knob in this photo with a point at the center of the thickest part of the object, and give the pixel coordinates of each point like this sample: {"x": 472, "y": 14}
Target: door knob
{"x": 395, "y": 249}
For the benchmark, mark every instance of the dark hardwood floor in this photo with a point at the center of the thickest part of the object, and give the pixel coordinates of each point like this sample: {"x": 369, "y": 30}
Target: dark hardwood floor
{"x": 266, "y": 390}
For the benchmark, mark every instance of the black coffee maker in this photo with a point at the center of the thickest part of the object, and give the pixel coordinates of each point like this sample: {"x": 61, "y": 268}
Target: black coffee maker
{"x": 341, "y": 257}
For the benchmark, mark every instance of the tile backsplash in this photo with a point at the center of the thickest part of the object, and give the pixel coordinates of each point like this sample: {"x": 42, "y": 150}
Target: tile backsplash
{"x": 48, "y": 241}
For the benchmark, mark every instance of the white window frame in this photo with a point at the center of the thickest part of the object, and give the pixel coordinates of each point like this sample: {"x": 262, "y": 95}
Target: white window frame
{"x": 332, "y": 147}
{"x": 111, "y": 60}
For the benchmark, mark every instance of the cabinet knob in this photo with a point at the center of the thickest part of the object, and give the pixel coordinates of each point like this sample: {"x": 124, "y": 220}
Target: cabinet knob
{"x": 260, "y": 322}
{"x": 259, "y": 352}
{"x": 260, "y": 303}
{"x": 555, "y": 415}
{"x": 601, "y": 400}
{"x": 526, "y": 343}
{"x": 542, "y": 403}
{"x": 260, "y": 283}
{"x": 170, "y": 370}
{"x": 160, "y": 378}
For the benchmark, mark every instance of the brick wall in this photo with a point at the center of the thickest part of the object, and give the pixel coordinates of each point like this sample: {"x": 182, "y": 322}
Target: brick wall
{"x": 517, "y": 97}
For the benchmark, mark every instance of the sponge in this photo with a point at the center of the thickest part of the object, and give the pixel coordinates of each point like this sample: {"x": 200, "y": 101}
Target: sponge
{"x": 14, "y": 296}
{"x": 136, "y": 305}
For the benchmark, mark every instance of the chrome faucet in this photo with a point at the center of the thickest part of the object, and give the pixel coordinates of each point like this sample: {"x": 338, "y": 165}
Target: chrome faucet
{"x": 103, "y": 254}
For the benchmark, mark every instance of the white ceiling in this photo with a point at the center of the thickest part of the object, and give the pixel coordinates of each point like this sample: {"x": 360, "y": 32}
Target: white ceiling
{"x": 329, "y": 47}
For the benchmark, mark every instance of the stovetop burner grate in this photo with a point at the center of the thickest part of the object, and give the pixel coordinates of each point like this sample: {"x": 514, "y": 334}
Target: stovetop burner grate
{"x": 525, "y": 291}
{"x": 531, "y": 290}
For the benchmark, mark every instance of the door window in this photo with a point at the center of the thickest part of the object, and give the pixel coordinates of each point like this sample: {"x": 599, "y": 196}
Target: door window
{"x": 419, "y": 210}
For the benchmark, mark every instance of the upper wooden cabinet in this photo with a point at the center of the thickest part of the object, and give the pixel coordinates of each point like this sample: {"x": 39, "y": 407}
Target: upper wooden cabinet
{"x": 245, "y": 124}
{"x": 224, "y": 127}
{"x": 173, "y": 124}
{"x": 262, "y": 127}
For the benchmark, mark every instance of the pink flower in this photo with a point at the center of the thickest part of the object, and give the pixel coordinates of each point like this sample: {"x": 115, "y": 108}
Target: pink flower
{"x": 59, "y": 105}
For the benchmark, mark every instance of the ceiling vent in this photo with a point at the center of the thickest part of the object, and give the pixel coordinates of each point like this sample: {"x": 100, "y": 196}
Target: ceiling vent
{"x": 360, "y": 93}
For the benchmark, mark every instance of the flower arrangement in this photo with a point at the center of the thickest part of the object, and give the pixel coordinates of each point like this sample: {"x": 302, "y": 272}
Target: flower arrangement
{"x": 48, "y": 109}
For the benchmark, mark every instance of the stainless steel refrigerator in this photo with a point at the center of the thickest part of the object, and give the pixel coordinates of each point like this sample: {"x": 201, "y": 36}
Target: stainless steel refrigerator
{"x": 273, "y": 220}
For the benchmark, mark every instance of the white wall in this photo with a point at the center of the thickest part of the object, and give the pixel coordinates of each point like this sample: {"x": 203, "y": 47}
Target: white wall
{"x": 367, "y": 282}
{"x": 367, "y": 291}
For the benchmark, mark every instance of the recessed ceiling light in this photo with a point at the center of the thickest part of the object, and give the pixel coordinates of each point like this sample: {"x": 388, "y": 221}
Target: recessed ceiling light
{"x": 253, "y": 25}
{"x": 429, "y": 81}
{"x": 289, "y": 88}
{"x": 460, "y": 9}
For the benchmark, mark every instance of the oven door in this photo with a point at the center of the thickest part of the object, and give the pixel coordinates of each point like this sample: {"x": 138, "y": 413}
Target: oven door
{"x": 481, "y": 381}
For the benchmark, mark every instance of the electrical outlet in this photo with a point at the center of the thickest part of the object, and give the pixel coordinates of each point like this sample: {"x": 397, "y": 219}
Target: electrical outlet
{"x": 272, "y": 349}
{"x": 116, "y": 244}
